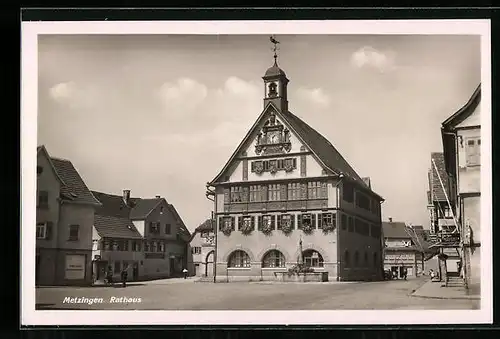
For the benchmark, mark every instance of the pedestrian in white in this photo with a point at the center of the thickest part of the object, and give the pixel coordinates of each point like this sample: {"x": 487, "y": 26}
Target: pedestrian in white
{"x": 185, "y": 271}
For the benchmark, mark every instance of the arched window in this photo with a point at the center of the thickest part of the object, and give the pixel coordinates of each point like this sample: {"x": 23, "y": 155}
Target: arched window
{"x": 273, "y": 258}
{"x": 238, "y": 259}
{"x": 356, "y": 259}
{"x": 375, "y": 259}
{"x": 347, "y": 258}
{"x": 312, "y": 258}
{"x": 366, "y": 259}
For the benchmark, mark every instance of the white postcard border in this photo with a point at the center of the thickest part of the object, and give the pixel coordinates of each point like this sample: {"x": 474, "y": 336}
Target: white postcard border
{"x": 29, "y": 109}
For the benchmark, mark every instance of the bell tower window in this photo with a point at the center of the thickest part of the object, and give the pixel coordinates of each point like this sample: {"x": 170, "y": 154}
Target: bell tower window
{"x": 273, "y": 90}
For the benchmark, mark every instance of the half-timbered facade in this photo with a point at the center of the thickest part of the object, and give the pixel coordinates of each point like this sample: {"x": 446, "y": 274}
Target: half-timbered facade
{"x": 287, "y": 195}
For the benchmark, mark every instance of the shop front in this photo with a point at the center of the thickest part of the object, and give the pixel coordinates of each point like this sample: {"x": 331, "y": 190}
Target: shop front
{"x": 397, "y": 261}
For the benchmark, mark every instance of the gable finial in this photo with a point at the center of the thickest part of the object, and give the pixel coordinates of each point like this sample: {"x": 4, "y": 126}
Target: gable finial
{"x": 275, "y": 48}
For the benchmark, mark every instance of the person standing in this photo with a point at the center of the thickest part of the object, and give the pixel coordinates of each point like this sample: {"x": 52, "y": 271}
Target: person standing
{"x": 405, "y": 273}
{"x": 124, "y": 277}
{"x": 185, "y": 271}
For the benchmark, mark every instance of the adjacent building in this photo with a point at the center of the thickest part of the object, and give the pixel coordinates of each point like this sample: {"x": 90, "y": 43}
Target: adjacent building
{"x": 461, "y": 134}
{"x": 287, "y": 195}
{"x": 145, "y": 236}
{"x": 403, "y": 249}
{"x": 64, "y": 218}
{"x": 443, "y": 224}
{"x": 203, "y": 249}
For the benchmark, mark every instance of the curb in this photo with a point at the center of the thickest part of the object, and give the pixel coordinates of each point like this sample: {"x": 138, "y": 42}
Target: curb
{"x": 443, "y": 298}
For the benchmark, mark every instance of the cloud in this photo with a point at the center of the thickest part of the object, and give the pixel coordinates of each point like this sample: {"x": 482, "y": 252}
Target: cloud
{"x": 314, "y": 95}
{"x": 239, "y": 87}
{"x": 63, "y": 91}
{"x": 75, "y": 96}
{"x": 370, "y": 57}
{"x": 182, "y": 96}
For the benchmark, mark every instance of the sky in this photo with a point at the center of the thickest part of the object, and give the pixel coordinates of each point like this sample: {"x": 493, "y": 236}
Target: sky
{"x": 161, "y": 114}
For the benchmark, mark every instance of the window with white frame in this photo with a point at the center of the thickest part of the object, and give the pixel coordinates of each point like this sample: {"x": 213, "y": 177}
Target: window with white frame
{"x": 239, "y": 259}
{"x": 294, "y": 191}
{"x": 255, "y": 193}
{"x": 41, "y": 230}
{"x": 314, "y": 190}
{"x": 473, "y": 152}
{"x": 272, "y": 259}
{"x": 313, "y": 258}
{"x": 274, "y": 192}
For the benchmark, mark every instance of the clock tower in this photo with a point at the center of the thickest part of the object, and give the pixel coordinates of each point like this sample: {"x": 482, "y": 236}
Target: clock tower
{"x": 275, "y": 85}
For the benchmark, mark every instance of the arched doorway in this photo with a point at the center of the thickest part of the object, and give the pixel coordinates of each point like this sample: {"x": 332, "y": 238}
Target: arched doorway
{"x": 209, "y": 264}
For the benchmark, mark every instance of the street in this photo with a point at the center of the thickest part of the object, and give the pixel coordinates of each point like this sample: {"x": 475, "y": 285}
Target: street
{"x": 180, "y": 294}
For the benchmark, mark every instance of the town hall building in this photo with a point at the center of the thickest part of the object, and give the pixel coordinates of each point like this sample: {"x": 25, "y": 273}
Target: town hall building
{"x": 288, "y": 196}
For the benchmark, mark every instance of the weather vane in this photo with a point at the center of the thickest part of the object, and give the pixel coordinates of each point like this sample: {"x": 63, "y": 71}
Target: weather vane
{"x": 275, "y": 47}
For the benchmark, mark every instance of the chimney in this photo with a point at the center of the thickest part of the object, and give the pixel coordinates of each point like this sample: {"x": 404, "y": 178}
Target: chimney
{"x": 126, "y": 196}
{"x": 158, "y": 197}
{"x": 390, "y": 219}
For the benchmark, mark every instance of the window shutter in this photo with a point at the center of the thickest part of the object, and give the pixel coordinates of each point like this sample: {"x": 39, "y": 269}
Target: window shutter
{"x": 320, "y": 220}
{"x": 273, "y": 221}
{"x": 232, "y": 223}
{"x": 240, "y": 223}
{"x": 48, "y": 230}
{"x": 279, "y": 222}
{"x": 220, "y": 223}
{"x": 252, "y": 222}
{"x": 259, "y": 222}
{"x": 226, "y": 195}
{"x": 299, "y": 221}
{"x": 252, "y": 166}
{"x": 313, "y": 220}
{"x": 292, "y": 221}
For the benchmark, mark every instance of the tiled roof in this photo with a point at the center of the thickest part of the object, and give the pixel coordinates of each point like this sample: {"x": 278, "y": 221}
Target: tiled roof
{"x": 435, "y": 186}
{"x": 115, "y": 227}
{"x": 322, "y": 148}
{"x": 205, "y": 226}
{"x": 142, "y": 207}
{"x": 112, "y": 205}
{"x": 395, "y": 229}
{"x": 183, "y": 231}
{"x": 74, "y": 188}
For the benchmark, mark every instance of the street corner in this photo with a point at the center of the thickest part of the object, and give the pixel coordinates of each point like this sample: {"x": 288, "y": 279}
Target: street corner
{"x": 438, "y": 290}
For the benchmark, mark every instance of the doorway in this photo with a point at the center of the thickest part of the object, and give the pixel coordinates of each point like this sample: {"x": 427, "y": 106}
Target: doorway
{"x": 209, "y": 264}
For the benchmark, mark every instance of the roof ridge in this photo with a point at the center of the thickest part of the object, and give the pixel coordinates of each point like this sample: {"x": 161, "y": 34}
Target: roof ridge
{"x": 327, "y": 141}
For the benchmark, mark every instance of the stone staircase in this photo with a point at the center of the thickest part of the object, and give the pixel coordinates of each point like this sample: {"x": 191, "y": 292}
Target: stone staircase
{"x": 454, "y": 280}
{"x": 205, "y": 279}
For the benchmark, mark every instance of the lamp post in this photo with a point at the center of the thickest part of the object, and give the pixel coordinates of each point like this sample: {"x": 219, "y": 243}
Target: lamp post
{"x": 210, "y": 194}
